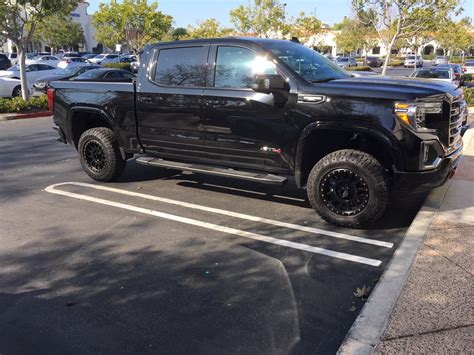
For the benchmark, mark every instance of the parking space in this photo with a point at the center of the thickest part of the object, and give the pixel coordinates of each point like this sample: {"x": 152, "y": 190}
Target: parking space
{"x": 162, "y": 261}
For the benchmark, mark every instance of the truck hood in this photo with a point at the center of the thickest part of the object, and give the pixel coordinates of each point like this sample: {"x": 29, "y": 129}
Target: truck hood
{"x": 387, "y": 87}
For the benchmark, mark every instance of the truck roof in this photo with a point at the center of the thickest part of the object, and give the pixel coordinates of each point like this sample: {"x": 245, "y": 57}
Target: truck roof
{"x": 256, "y": 40}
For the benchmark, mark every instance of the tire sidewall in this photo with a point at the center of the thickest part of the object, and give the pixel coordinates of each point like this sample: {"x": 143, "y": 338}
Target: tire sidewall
{"x": 377, "y": 193}
{"x": 108, "y": 172}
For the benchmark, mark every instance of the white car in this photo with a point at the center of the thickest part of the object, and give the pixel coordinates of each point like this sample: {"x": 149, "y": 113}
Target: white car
{"x": 10, "y": 87}
{"x": 33, "y": 72}
{"x": 468, "y": 67}
{"x": 72, "y": 62}
{"x": 105, "y": 58}
{"x": 438, "y": 74}
{"x": 410, "y": 61}
{"x": 440, "y": 59}
{"x": 44, "y": 59}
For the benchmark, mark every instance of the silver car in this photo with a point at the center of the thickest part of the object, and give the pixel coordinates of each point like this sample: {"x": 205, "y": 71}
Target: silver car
{"x": 439, "y": 74}
{"x": 345, "y": 62}
{"x": 413, "y": 60}
{"x": 440, "y": 59}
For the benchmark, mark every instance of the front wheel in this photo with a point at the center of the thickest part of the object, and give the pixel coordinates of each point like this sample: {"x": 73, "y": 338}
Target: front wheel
{"x": 99, "y": 154}
{"x": 348, "y": 188}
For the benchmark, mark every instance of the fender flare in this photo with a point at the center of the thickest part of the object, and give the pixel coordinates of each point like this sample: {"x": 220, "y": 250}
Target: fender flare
{"x": 100, "y": 112}
{"x": 355, "y": 128}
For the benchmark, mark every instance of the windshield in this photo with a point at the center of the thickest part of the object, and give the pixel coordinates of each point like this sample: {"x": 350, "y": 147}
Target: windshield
{"x": 14, "y": 68}
{"x": 68, "y": 71}
{"x": 411, "y": 57}
{"x": 435, "y": 74}
{"x": 306, "y": 62}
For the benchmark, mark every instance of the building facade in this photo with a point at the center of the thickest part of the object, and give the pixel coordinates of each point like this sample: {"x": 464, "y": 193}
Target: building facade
{"x": 79, "y": 15}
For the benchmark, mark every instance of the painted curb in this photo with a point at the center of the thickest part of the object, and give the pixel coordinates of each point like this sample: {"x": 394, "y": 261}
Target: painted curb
{"x": 17, "y": 116}
{"x": 365, "y": 334}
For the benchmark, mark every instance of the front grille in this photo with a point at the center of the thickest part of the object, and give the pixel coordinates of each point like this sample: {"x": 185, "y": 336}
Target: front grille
{"x": 455, "y": 123}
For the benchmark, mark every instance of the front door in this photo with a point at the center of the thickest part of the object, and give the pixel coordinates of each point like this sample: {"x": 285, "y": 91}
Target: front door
{"x": 169, "y": 103}
{"x": 243, "y": 128}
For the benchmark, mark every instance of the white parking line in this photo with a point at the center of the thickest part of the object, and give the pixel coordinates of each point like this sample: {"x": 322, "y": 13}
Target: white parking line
{"x": 259, "y": 237}
{"x": 235, "y": 214}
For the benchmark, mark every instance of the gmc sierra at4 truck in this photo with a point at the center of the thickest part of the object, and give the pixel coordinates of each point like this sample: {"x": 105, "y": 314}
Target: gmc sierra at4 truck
{"x": 266, "y": 110}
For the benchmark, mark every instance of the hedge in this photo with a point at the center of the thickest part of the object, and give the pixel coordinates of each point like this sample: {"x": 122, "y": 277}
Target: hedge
{"x": 396, "y": 63}
{"x": 17, "y": 104}
{"x": 469, "y": 96}
{"x": 124, "y": 66}
{"x": 359, "y": 68}
{"x": 467, "y": 77}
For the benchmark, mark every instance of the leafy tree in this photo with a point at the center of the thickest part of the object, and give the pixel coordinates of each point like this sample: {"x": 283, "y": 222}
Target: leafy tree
{"x": 394, "y": 20}
{"x": 263, "y": 18}
{"x": 305, "y": 26}
{"x": 351, "y": 37}
{"x": 18, "y": 22}
{"x": 179, "y": 33}
{"x": 132, "y": 22}
{"x": 209, "y": 28}
{"x": 59, "y": 31}
{"x": 453, "y": 36}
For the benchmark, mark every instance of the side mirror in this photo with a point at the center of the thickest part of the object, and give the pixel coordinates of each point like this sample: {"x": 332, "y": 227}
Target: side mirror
{"x": 269, "y": 83}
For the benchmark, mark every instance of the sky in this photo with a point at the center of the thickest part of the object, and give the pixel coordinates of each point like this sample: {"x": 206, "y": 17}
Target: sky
{"x": 186, "y": 12}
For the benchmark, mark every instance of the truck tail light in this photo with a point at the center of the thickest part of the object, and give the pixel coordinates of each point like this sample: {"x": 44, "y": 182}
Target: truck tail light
{"x": 50, "y": 99}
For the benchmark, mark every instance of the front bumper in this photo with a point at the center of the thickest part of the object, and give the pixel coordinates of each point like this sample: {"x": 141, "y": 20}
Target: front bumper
{"x": 427, "y": 180}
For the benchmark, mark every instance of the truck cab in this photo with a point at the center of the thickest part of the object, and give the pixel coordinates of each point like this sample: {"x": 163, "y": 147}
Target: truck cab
{"x": 265, "y": 110}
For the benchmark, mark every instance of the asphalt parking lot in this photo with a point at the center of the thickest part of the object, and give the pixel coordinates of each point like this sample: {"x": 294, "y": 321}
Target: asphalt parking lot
{"x": 166, "y": 262}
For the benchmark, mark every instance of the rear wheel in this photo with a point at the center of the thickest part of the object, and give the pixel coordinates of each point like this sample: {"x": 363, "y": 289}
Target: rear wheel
{"x": 348, "y": 188}
{"x": 99, "y": 154}
{"x": 16, "y": 91}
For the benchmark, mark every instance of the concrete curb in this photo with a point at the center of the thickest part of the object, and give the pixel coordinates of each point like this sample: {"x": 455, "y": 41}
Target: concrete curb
{"x": 365, "y": 334}
{"x": 17, "y": 116}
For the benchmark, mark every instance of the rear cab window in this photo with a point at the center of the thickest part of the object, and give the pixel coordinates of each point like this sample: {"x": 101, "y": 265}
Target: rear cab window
{"x": 185, "y": 66}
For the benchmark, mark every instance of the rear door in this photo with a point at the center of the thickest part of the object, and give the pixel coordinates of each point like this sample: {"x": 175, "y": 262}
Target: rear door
{"x": 169, "y": 101}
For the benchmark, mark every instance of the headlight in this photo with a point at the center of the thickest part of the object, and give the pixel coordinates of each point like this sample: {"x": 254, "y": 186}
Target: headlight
{"x": 413, "y": 114}
{"x": 40, "y": 84}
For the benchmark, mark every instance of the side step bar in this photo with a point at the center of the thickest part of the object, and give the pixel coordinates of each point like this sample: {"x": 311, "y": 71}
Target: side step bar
{"x": 212, "y": 170}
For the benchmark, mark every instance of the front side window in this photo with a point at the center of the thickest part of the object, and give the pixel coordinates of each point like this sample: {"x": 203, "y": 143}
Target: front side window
{"x": 235, "y": 67}
{"x": 182, "y": 66}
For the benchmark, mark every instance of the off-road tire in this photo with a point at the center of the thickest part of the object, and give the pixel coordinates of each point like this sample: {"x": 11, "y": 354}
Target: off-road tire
{"x": 360, "y": 164}
{"x": 103, "y": 139}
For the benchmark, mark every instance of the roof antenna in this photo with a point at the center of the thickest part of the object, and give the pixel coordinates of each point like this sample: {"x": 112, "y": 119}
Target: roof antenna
{"x": 295, "y": 39}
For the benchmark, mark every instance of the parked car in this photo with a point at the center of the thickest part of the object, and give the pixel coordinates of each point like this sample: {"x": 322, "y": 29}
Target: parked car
{"x": 44, "y": 59}
{"x": 105, "y": 74}
{"x": 13, "y": 58}
{"x": 267, "y": 121}
{"x": 345, "y": 62}
{"x": 72, "y": 61}
{"x": 439, "y": 74}
{"x": 41, "y": 85}
{"x": 374, "y": 62}
{"x": 105, "y": 58}
{"x": 128, "y": 58}
{"x": 412, "y": 61}
{"x": 456, "y": 68}
{"x": 33, "y": 71}
{"x": 5, "y": 62}
{"x": 89, "y": 56}
{"x": 10, "y": 87}
{"x": 439, "y": 59}
{"x": 134, "y": 66}
{"x": 468, "y": 67}
{"x": 71, "y": 55}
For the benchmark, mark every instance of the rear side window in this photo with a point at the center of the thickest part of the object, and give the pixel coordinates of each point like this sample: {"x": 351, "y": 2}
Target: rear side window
{"x": 182, "y": 66}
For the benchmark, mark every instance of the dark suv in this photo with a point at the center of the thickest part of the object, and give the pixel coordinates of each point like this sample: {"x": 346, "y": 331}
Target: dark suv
{"x": 4, "y": 62}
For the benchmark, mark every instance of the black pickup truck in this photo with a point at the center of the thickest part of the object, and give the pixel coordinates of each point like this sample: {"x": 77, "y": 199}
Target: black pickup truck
{"x": 266, "y": 110}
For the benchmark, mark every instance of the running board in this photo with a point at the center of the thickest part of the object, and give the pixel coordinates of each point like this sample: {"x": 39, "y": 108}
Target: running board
{"x": 211, "y": 170}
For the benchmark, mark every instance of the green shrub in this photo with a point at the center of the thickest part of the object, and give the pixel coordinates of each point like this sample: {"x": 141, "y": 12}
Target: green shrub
{"x": 359, "y": 68}
{"x": 469, "y": 96}
{"x": 124, "y": 66}
{"x": 17, "y": 104}
{"x": 396, "y": 63}
{"x": 466, "y": 77}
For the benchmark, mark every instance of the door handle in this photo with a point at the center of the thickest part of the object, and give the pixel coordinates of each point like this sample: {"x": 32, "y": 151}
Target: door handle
{"x": 146, "y": 99}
